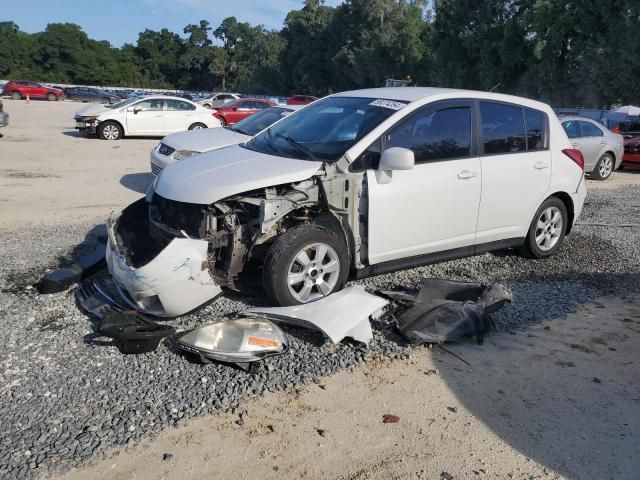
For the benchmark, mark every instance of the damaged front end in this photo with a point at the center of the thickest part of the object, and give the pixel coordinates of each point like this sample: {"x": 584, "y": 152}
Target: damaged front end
{"x": 168, "y": 257}
{"x": 163, "y": 278}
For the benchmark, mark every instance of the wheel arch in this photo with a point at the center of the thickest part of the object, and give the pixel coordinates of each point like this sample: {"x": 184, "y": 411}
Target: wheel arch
{"x": 117, "y": 122}
{"x": 568, "y": 203}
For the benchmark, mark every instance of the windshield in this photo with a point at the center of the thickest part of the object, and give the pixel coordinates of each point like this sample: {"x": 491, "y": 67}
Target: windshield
{"x": 123, "y": 103}
{"x": 260, "y": 120}
{"x": 325, "y": 129}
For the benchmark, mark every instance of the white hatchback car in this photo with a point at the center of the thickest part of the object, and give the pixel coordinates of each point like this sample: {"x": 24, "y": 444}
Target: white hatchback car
{"x": 151, "y": 116}
{"x": 181, "y": 145}
{"x": 355, "y": 184}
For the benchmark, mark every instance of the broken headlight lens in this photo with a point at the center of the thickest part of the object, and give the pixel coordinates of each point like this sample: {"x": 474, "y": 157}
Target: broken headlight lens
{"x": 241, "y": 340}
{"x": 182, "y": 154}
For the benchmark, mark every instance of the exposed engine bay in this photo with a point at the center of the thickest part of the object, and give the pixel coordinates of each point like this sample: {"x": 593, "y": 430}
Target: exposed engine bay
{"x": 238, "y": 229}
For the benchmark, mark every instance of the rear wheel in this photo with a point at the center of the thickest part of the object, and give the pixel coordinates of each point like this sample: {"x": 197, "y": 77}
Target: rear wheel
{"x": 197, "y": 126}
{"x": 110, "y": 131}
{"x": 547, "y": 230}
{"x": 16, "y": 95}
{"x": 604, "y": 167}
{"x": 52, "y": 97}
{"x": 304, "y": 264}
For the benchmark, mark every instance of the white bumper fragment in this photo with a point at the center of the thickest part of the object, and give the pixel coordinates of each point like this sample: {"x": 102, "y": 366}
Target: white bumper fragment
{"x": 172, "y": 284}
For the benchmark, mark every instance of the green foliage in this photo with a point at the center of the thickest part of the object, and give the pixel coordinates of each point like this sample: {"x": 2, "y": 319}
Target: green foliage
{"x": 566, "y": 52}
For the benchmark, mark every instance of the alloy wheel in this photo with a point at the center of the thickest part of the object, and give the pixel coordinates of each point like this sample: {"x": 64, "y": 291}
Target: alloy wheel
{"x": 606, "y": 166}
{"x": 110, "y": 132}
{"x": 549, "y": 228}
{"x": 313, "y": 272}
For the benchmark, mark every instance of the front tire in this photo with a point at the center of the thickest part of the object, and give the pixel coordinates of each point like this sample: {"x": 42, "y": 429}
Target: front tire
{"x": 197, "y": 126}
{"x": 603, "y": 168}
{"x": 306, "y": 263}
{"x": 110, "y": 131}
{"x": 15, "y": 95}
{"x": 547, "y": 230}
{"x": 52, "y": 97}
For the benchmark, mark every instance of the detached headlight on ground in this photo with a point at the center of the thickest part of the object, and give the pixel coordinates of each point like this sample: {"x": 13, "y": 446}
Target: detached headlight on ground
{"x": 241, "y": 340}
{"x": 182, "y": 154}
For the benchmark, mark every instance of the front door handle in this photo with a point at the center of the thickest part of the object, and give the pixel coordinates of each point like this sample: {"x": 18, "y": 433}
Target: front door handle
{"x": 602, "y": 142}
{"x": 540, "y": 165}
{"x": 463, "y": 175}
{"x": 575, "y": 144}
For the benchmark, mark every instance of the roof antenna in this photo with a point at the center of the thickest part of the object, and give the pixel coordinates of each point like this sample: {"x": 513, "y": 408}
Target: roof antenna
{"x": 495, "y": 86}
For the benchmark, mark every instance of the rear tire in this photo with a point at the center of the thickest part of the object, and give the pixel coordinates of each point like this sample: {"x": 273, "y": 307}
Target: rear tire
{"x": 285, "y": 278}
{"x": 603, "y": 168}
{"x": 197, "y": 126}
{"x": 52, "y": 97}
{"x": 547, "y": 229}
{"x": 110, "y": 131}
{"x": 16, "y": 95}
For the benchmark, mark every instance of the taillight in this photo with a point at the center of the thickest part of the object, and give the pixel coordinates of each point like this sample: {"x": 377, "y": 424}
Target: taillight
{"x": 1, "y": 107}
{"x": 576, "y": 156}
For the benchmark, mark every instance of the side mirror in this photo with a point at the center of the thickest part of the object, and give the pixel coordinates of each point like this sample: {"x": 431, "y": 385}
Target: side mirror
{"x": 137, "y": 109}
{"x": 234, "y": 109}
{"x": 394, "y": 158}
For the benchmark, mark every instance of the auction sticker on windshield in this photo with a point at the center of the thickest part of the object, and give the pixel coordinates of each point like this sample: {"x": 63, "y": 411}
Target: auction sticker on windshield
{"x": 393, "y": 105}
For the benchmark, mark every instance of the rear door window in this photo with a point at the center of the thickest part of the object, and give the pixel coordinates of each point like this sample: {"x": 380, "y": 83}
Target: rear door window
{"x": 571, "y": 128}
{"x": 590, "y": 130}
{"x": 434, "y": 134}
{"x": 502, "y": 128}
{"x": 179, "y": 105}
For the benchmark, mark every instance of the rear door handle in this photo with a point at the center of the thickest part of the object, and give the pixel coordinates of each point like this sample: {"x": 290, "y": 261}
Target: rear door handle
{"x": 575, "y": 144}
{"x": 463, "y": 175}
{"x": 540, "y": 165}
{"x": 602, "y": 142}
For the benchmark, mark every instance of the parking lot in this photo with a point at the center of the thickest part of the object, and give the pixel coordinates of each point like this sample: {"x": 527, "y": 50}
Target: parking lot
{"x": 552, "y": 394}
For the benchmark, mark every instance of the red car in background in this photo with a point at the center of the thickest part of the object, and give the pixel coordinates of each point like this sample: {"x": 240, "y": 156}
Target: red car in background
{"x": 301, "y": 99}
{"x": 241, "y": 109}
{"x": 631, "y": 152}
{"x": 19, "y": 89}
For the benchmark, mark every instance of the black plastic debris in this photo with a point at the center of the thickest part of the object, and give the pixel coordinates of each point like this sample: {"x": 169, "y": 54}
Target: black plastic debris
{"x": 439, "y": 311}
{"x": 134, "y": 332}
{"x": 61, "y": 279}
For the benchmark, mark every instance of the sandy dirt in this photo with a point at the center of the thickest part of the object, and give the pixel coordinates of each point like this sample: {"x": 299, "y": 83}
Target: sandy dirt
{"x": 49, "y": 175}
{"x": 559, "y": 400}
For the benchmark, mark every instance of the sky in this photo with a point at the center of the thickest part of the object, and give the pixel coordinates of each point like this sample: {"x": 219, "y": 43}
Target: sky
{"x": 120, "y": 21}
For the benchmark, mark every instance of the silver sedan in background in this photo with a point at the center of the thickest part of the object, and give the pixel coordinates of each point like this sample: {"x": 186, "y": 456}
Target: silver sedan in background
{"x": 602, "y": 149}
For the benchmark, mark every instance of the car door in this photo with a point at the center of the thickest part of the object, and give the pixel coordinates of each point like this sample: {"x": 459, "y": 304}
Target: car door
{"x": 146, "y": 117}
{"x": 516, "y": 169}
{"x": 32, "y": 89}
{"x": 434, "y": 206}
{"x": 179, "y": 116}
{"x": 240, "y": 110}
{"x": 592, "y": 144}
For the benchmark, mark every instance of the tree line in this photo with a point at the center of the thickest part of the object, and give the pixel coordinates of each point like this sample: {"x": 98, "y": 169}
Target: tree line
{"x": 566, "y": 52}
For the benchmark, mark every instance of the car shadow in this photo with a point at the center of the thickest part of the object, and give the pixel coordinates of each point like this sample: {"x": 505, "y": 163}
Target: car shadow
{"x": 138, "y": 182}
{"x": 76, "y": 134}
{"x": 553, "y": 391}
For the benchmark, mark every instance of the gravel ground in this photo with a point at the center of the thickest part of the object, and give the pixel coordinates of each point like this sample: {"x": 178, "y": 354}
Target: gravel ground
{"x": 66, "y": 395}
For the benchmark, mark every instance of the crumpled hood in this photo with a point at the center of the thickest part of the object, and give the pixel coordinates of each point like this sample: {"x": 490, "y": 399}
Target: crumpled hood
{"x": 92, "y": 109}
{"x": 204, "y": 140}
{"x": 212, "y": 176}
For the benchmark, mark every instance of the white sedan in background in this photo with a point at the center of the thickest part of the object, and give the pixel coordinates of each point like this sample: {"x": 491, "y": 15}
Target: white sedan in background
{"x": 186, "y": 144}
{"x": 151, "y": 116}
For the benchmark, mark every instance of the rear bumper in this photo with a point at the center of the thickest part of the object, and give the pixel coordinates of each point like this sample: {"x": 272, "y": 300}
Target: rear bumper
{"x": 175, "y": 282}
{"x": 631, "y": 158}
{"x": 4, "y": 119}
{"x": 578, "y": 198}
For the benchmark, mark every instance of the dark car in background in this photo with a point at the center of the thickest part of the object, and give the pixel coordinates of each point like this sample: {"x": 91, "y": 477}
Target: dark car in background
{"x": 19, "y": 89}
{"x": 89, "y": 94}
{"x": 240, "y": 109}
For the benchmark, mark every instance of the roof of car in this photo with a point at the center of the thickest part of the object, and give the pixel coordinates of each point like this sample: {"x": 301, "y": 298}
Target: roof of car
{"x": 577, "y": 117}
{"x": 162, "y": 97}
{"x": 411, "y": 94}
